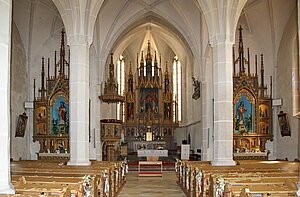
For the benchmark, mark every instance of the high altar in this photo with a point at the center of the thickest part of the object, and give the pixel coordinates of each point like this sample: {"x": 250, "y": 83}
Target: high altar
{"x": 51, "y": 106}
{"x": 252, "y": 107}
{"x": 150, "y": 111}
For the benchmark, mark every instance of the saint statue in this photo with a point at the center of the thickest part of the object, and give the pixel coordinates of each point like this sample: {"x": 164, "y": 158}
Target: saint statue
{"x": 241, "y": 111}
{"x": 62, "y": 111}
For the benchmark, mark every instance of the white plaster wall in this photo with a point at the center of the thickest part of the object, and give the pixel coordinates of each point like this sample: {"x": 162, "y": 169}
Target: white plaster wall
{"x": 287, "y": 56}
{"x": 19, "y": 94}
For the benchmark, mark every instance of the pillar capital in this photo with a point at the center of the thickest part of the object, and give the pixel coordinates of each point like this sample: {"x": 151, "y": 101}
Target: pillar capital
{"x": 79, "y": 39}
{"x": 221, "y": 39}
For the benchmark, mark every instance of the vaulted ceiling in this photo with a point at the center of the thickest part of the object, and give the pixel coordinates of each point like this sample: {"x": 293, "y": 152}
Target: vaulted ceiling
{"x": 173, "y": 27}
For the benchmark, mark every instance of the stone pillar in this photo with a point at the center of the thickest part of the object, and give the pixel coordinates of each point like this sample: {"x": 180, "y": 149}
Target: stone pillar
{"x": 79, "y": 100}
{"x": 5, "y": 48}
{"x": 223, "y": 107}
{"x": 298, "y": 7}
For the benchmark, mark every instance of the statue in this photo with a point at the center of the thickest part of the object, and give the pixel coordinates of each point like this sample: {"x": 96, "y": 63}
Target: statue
{"x": 241, "y": 111}
{"x": 62, "y": 113}
{"x": 196, "y": 85}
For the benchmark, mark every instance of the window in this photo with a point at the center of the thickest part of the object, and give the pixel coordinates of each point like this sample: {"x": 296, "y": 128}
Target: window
{"x": 177, "y": 88}
{"x": 121, "y": 85}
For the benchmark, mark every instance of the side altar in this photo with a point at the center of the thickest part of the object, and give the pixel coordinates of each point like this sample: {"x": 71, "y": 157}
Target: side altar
{"x": 51, "y": 105}
{"x": 252, "y": 107}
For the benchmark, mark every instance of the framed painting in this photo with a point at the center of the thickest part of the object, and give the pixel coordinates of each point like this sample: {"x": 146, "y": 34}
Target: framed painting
{"x": 149, "y": 100}
{"x": 59, "y": 116}
{"x": 244, "y": 112}
{"x": 21, "y": 125}
{"x": 284, "y": 124}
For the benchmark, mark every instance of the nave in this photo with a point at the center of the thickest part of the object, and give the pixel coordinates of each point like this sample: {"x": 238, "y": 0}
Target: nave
{"x": 151, "y": 186}
{"x": 192, "y": 178}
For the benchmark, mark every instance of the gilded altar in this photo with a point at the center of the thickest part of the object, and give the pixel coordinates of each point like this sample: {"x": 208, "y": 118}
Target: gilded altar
{"x": 252, "y": 106}
{"x": 149, "y": 108}
{"x": 51, "y": 104}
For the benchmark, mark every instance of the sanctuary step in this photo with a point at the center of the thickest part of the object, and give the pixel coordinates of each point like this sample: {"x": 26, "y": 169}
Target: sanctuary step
{"x": 168, "y": 166}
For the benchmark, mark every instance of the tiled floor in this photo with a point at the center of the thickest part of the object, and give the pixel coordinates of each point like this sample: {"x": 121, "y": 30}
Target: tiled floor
{"x": 165, "y": 186}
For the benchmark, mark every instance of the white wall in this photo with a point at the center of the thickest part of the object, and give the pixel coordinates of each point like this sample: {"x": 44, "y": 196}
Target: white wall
{"x": 19, "y": 94}
{"x": 287, "y": 61}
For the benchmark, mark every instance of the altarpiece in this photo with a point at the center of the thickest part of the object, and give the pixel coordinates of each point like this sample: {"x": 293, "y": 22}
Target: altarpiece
{"x": 149, "y": 108}
{"x": 51, "y": 105}
{"x": 252, "y": 107}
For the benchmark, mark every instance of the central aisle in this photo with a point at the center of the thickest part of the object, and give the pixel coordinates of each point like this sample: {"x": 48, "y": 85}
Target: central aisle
{"x": 151, "y": 186}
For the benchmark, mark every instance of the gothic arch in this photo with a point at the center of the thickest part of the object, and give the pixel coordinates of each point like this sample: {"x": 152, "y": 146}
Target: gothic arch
{"x": 170, "y": 28}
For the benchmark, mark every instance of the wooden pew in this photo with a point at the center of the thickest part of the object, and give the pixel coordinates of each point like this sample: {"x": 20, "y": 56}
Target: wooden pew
{"x": 274, "y": 173}
{"x": 113, "y": 173}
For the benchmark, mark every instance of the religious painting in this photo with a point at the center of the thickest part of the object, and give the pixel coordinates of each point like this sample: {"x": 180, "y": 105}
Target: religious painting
{"x": 149, "y": 100}
{"x": 40, "y": 120}
{"x": 264, "y": 127}
{"x": 111, "y": 129}
{"x": 244, "y": 112}
{"x": 284, "y": 124}
{"x": 263, "y": 111}
{"x": 21, "y": 125}
{"x": 59, "y": 118}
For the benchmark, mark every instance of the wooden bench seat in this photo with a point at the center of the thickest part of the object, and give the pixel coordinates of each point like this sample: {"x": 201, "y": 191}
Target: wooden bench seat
{"x": 280, "y": 177}
{"x": 53, "y": 174}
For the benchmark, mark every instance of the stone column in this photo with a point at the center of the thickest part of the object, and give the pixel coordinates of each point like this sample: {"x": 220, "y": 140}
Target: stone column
{"x": 79, "y": 100}
{"x": 298, "y": 7}
{"x": 5, "y": 48}
{"x": 223, "y": 107}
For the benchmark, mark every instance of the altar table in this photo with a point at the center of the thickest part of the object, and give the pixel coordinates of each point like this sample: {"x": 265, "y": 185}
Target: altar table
{"x": 53, "y": 156}
{"x": 152, "y": 155}
{"x": 250, "y": 156}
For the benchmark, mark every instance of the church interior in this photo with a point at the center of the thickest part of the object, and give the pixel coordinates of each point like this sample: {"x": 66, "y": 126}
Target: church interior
{"x": 149, "y": 98}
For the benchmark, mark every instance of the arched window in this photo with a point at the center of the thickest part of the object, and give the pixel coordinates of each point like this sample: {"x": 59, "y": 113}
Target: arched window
{"x": 121, "y": 85}
{"x": 177, "y": 88}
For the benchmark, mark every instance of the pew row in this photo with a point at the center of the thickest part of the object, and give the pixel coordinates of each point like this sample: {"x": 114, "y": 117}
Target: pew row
{"x": 104, "y": 179}
{"x": 258, "y": 178}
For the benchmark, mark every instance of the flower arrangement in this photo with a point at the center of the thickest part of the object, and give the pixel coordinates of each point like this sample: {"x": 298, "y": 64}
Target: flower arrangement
{"x": 87, "y": 185}
{"x": 140, "y": 138}
{"x": 158, "y": 137}
{"x": 267, "y": 151}
{"x": 123, "y": 143}
{"x": 237, "y": 149}
{"x": 244, "y": 131}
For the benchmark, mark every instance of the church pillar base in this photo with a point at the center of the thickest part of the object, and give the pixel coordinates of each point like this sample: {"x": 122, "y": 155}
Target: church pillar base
{"x": 8, "y": 189}
{"x": 228, "y": 162}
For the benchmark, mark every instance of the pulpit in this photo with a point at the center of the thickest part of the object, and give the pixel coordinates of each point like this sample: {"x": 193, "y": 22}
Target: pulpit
{"x": 110, "y": 133}
{"x": 111, "y": 128}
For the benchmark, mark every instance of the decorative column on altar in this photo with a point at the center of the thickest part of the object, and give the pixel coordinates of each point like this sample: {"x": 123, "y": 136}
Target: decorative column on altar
{"x": 111, "y": 128}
